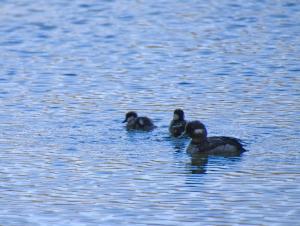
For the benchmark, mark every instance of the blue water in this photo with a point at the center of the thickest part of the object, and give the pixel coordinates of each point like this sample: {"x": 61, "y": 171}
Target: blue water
{"x": 70, "y": 70}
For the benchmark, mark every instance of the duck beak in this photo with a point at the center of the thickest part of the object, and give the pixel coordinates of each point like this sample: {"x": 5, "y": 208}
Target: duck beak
{"x": 125, "y": 120}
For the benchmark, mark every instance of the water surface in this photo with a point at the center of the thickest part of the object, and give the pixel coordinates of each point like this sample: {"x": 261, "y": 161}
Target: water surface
{"x": 70, "y": 70}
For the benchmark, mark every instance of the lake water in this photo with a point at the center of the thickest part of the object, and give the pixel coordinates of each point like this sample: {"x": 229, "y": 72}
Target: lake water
{"x": 70, "y": 70}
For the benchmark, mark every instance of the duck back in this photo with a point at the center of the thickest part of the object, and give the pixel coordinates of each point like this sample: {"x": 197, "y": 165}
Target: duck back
{"x": 218, "y": 146}
{"x": 224, "y": 145}
{"x": 141, "y": 123}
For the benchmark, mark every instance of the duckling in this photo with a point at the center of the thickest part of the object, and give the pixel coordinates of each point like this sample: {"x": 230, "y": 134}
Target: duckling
{"x": 177, "y": 125}
{"x": 218, "y": 145}
{"x": 138, "y": 123}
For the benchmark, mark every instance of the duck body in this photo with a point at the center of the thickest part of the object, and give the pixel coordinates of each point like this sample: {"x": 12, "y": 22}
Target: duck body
{"x": 216, "y": 145}
{"x": 177, "y": 127}
{"x": 178, "y": 123}
{"x": 138, "y": 123}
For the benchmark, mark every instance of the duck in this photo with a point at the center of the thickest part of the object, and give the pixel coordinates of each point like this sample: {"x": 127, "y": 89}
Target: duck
{"x": 216, "y": 145}
{"x": 178, "y": 123}
{"x": 134, "y": 122}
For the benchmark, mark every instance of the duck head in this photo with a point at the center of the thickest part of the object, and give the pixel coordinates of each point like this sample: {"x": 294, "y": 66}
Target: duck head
{"x": 178, "y": 115}
{"x": 196, "y": 130}
{"x": 131, "y": 115}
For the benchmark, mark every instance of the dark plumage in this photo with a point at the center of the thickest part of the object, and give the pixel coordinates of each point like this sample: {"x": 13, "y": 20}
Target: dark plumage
{"x": 211, "y": 145}
{"x": 138, "y": 123}
{"x": 177, "y": 125}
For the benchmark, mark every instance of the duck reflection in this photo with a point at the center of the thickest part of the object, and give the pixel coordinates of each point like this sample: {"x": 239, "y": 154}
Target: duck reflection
{"x": 199, "y": 162}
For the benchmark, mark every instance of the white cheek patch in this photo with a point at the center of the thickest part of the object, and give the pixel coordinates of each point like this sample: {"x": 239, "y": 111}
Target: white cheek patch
{"x": 141, "y": 121}
{"x": 175, "y": 117}
{"x": 198, "y": 131}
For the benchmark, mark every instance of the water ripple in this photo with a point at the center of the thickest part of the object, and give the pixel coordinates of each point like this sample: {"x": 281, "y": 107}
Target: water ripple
{"x": 71, "y": 69}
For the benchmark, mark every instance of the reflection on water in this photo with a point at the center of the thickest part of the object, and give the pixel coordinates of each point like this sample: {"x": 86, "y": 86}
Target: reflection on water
{"x": 70, "y": 70}
{"x": 198, "y": 163}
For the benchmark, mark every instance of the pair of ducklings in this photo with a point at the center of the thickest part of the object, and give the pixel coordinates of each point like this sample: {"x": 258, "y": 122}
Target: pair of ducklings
{"x": 196, "y": 130}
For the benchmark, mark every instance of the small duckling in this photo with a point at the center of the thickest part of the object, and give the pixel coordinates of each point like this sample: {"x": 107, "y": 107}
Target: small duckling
{"x": 218, "y": 145}
{"x": 177, "y": 125}
{"x": 138, "y": 123}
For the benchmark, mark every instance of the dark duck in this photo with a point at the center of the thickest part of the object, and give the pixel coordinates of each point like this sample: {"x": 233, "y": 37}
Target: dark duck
{"x": 217, "y": 145}
{"x": 177, "y": 125}
{"x": 138, "y": 123}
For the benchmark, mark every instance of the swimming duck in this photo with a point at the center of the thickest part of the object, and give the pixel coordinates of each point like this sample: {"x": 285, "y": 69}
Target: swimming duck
{"x": 177, "y": 125}
{"x": 138, "y": 123}
{"x": 218, "y": 145}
